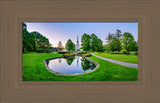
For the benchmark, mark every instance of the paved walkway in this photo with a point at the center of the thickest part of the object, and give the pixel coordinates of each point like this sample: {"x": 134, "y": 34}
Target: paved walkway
{"x": 119, "y": 62}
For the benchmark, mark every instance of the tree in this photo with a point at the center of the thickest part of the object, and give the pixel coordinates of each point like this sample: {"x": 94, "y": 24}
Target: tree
{"x": 28, "y": 40}
{"x": 60, "y": 47}
{"x": 24, "y": 26}
{"x": 118, "y": 34}
{"x": 50, "y": 45}
{"x": 115, "y": 44}
{"x": 34, "y": 40}
{"x": 99, "y": 45}
{"x": 133, "y": 46}
{"x": 126, "y": 40}
{"x": 70, "y": 45}
{"x": 60, "y": 44}
{"x": 85, "y": 42}
{"x": 42, "y": 41}
{"x": 109, "y": 38}
{"x": 94, "y": 42}
{"x": 106, "y": 47}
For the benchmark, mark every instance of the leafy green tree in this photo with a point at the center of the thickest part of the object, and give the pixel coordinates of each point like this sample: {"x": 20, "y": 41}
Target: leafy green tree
{"x": 70, "y": 45}
{"x": 106, "y": 47}
{"x": 126, "y": 40}
{"x": 34, "y": 40}
{"x": 133, "y": 46}
{"x": 99, "y": 45}
{"x": 42, "y": 41}
{"x": 94, "y": 42}
{"x": 85, "y": 42}
{"x": 115, "y": 44}
{"x": 28, "y": 40}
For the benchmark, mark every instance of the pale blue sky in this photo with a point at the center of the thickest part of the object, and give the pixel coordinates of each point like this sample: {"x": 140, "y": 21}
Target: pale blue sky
{"x": 62, "y": 31}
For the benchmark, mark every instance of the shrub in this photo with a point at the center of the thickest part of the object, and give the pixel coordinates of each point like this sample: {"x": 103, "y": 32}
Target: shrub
{"x": 111, "y": 52}
{"x": 88, "y": 55}
{"x": 136, "y": 53}
{"x": 67, "y": 54}
{"x": 62, "y": 52}
{"x": 116, "y": 52}
{"x": 40, "y": 51}
{"x": 82, "y": 52}
{"x": 106, "y": 51}
{"x": 48, "y": 50}
{"x": 124, "y": 51}
{"x": 44, "y": 51}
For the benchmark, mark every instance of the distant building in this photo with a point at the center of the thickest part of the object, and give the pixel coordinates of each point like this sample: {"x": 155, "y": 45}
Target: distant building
{"x": 77, "y": 46}
{"x": 54, "y": 49}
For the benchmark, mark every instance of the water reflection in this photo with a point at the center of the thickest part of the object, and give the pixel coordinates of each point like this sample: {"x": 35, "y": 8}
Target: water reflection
{"x": 86, "y": 64}
{"x": 47, "y": 62}
{"x": 70, "y": 65}
{"x": 60, "y": 60}
{"x": 70, "y": 60}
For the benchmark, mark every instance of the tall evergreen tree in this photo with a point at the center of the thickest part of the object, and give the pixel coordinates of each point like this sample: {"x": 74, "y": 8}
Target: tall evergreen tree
{"x": 109, "y": 37}
{"x": 118, "y": 34}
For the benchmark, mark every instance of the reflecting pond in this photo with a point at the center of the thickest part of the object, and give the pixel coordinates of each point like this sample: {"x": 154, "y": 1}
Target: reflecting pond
{"x": 70, "y": 65}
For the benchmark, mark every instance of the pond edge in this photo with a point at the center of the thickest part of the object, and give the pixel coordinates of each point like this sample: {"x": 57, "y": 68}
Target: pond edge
{"x": 96, "y": 64}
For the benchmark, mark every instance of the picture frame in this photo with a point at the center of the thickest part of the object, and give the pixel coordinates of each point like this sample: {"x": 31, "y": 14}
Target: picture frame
{"x": 14, "y": 90}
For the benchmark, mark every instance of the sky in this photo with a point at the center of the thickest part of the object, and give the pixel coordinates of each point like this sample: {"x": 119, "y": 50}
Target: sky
{"x": 62, "y": 31}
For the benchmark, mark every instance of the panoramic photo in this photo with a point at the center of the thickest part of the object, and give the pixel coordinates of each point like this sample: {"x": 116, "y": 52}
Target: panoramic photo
{"x": 80, "y": 51}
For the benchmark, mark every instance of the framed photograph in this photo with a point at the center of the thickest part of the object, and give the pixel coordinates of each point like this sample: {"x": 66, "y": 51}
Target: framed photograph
{"x": 80, "y": 51}
{"x": 75, "y": 51}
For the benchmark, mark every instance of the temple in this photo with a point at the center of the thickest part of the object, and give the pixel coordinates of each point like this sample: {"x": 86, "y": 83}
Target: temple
{"x": 77, "y": 45}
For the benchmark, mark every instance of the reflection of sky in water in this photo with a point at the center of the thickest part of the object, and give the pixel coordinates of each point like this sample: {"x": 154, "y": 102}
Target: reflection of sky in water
{"x": 71, "y": 65}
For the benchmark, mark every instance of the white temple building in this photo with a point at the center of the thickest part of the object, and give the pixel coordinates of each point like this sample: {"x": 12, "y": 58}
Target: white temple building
{"x": 77, "y": 45}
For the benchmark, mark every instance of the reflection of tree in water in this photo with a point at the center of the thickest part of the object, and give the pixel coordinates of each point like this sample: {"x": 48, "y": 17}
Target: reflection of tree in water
{"x": 47, "y": 61}
{"x": 70, "y": 60}
{"x": 60, "y": 60}
{"x": 86, "y": 64}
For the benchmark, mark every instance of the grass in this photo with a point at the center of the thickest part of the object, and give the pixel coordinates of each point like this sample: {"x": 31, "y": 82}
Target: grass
{"x": 35, "y": 70}
{"x": 120, "y": 57}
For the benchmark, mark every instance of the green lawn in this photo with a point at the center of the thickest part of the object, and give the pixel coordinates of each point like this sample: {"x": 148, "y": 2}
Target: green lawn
{"x": 35, "y": 70}
{"x": 119, "y": 57}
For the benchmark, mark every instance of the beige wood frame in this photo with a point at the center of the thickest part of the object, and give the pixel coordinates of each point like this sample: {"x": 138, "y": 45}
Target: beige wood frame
{"x": 14, "y": 12}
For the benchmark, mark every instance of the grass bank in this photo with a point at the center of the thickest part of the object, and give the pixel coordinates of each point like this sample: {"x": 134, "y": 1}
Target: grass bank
{"x": 119, "y": 57}
{"x": 35, "y": 70}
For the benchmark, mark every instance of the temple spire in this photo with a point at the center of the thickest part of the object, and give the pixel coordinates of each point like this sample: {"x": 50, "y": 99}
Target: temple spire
{"x": 77, "y": 40}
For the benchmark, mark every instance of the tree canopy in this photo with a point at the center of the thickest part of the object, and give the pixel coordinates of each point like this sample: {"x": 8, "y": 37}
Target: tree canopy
{"x": 85, "y": 42}
{"x": 119, "y": 41}
{"x": 115, "y": 44}
{"x": 34, "y": 40}
{"x": 126, "y": 40}
{"x": 91, "y": 43}
{"x": 70, "y": 45}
